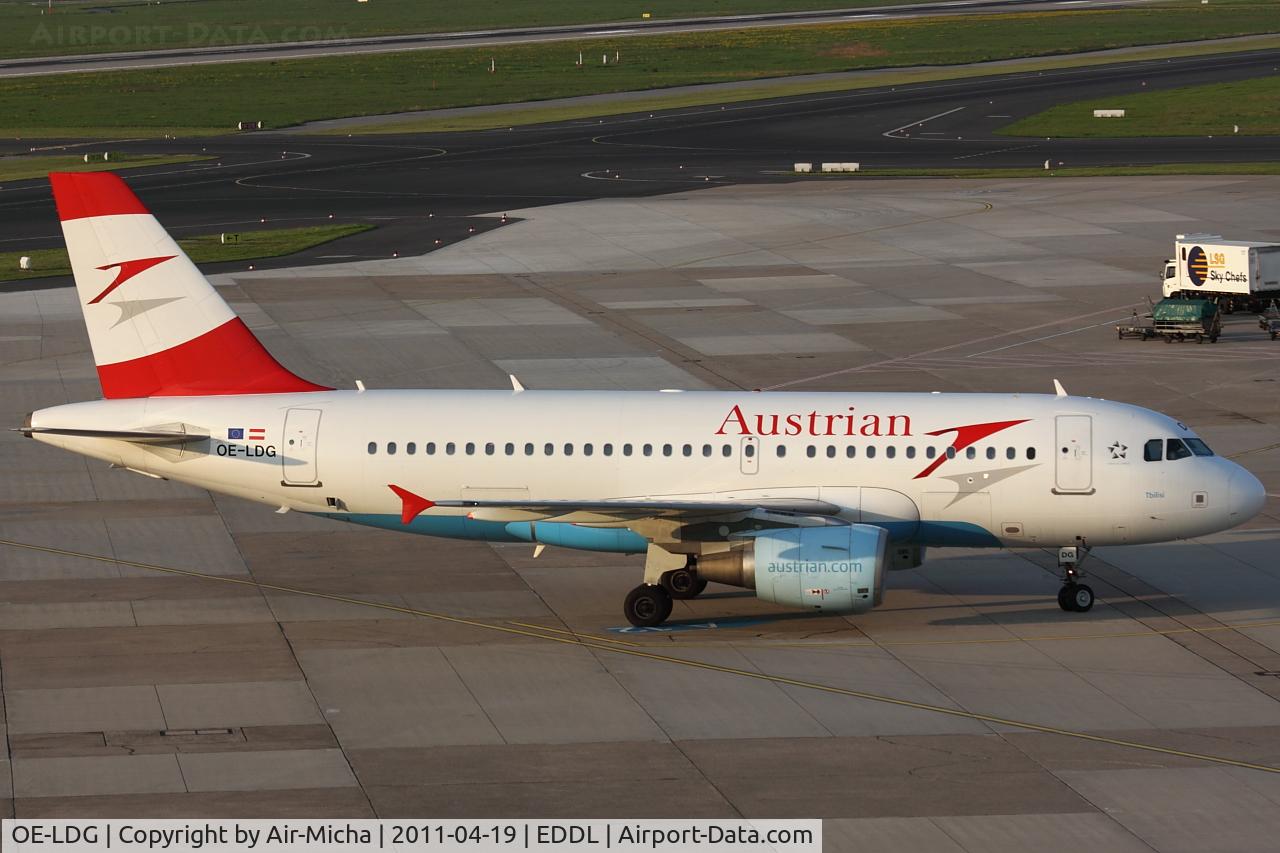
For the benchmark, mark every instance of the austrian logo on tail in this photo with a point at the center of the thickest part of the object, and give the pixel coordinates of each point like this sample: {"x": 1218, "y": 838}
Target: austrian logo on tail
{"x": 126, "y": 270}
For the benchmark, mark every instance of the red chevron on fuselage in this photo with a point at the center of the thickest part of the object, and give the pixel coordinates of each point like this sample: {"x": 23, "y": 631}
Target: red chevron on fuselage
{"x": 965, "y": 436}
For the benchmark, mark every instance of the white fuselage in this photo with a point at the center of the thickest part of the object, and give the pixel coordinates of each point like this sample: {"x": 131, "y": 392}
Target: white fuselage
{"x": 1047, "y": 470}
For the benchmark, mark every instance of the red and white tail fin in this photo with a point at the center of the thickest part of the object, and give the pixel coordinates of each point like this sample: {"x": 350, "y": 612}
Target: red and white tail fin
{"x": 156, "y": 325}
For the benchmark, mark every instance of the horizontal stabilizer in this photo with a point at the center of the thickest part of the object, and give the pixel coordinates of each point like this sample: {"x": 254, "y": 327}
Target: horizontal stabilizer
{"x": 137, "y": 436}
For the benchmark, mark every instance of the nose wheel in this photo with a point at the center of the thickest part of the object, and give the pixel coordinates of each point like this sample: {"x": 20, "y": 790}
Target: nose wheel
{"x": 1074, "y": 597}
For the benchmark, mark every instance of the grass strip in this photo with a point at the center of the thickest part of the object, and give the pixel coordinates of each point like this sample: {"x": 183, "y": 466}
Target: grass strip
{"x": 203, "y": 249}
{"x": 1211, "y": 110}
{"x": 23, "y": 166}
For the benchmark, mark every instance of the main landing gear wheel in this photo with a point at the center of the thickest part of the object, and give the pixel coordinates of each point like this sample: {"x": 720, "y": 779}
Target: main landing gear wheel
{"x": 683, "y": 584}
{"x": 1075, "y": 598}
{"x": 647, "y": 606}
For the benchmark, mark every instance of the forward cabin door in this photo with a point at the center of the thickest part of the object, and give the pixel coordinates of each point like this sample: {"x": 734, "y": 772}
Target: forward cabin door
{"x": 298, "y": 452}
{"x": 1074, "y": 471}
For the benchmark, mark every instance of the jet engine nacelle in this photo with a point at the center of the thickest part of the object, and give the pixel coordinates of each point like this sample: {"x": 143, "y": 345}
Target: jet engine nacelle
{"x": 835, "y": 569}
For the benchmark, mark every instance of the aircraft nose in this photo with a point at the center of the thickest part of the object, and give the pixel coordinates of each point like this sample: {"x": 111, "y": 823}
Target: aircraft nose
{"x": 1245, "y": 496}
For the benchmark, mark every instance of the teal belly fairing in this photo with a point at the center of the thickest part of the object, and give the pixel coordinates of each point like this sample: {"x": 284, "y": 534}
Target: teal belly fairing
{"x": 938, "y": 534}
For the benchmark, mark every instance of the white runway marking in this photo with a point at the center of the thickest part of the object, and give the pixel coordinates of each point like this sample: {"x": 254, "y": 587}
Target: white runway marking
{"x": 893, "y": 134}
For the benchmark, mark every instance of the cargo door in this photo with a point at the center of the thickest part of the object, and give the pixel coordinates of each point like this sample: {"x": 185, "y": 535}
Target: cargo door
{"x": 1074, "y": 471}
{"x": 298, "y": 454}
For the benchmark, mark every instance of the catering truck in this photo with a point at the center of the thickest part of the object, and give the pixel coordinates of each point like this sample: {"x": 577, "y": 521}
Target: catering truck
{"x": 1236, "y": 274}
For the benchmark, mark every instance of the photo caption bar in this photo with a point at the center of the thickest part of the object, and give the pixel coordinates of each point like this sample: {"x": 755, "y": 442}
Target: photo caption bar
{"x": 447, "y": 836}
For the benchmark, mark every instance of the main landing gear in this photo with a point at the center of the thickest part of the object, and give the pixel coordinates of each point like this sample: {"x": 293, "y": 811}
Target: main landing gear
{"x": 1074, "y": 596}
{"x": 649, "y": 604}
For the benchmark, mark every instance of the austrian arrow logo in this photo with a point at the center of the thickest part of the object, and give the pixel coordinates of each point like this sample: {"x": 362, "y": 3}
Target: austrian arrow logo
{"x": 126, "y": 270}
{"x": 965, "y": 436}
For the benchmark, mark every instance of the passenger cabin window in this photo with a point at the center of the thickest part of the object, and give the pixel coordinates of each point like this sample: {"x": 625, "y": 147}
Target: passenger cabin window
{"x": 911, "y": 452}
{"x": 726, "y": 451}
{"x": 951, "y": 453}
{"x": 850, "y": 451}
{"x": 1031, "y": 453}
{"x": 647, "y": 450}
{"x": 548, "y": 449}
{"x": 488, "y": 448}
{"x": 991, "y": 453}
{"x": 587, "y": 449}
{"x": 782, "y": 450}
{"x": 411, "y": 448}
{"x": 666, "y": 450}
{"x": 890, "y": 451}
{"x": 431, "y": 448}
{"x": 687, "y": 450}
{"x": 568, "y": 449}
{"x": 1175, "y": 449}
{"x": 450, "y": 448}
{"x": 1010, "y": 453}
{"x": 373, "y": 447}
{"x": 706, "y": 450}
{"x": 391, "y": 448}
{"x": 607, "y": 450}
{"x": 871, "y": 451}
{"x": 930, "y": 452}
{"x": 971, "y": 453}
{"x": 811, "y": 451}
{"x": 749, "y": 451}
{"x": 471, "y": 448}
{"x": 528, "y": 448}
{"x": 831, "y": 451}
{"x": 509, "y": 449}
{"x": 626, "y": 450}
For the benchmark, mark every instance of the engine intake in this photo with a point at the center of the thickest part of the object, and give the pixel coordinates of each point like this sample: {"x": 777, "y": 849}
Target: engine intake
{"x": 834, "y": 569}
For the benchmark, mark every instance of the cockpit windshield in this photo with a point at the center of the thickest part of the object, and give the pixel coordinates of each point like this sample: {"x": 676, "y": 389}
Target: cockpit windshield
{"x": 1173, "y": 449}
{"x": 1198, "y": 447}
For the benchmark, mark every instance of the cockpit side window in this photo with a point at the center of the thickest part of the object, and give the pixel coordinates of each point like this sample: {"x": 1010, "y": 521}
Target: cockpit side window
{"x": 1175, "y": 449}
{"x": 1153, "y": 450}
{"x": 1198, "y": 447}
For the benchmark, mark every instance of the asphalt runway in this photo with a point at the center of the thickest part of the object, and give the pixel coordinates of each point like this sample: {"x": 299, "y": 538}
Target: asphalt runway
{"x": 36, "y": 66}
{"x": 424, "y": 187}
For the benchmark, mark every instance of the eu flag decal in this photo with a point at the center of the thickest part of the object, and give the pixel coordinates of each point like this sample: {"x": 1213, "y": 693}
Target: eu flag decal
{"x": 235, "y": 432}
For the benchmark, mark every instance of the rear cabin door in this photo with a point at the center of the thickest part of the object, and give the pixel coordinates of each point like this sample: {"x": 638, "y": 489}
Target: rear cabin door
{"x": 749, "y": 453}
{"x": 298, "y": 453}
{"x": 1073, "y": 450}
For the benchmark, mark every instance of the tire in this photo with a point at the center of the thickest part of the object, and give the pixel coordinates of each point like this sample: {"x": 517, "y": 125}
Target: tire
{"x": 647, "y": 606}
{"x": 682, "y": 584}
{"x": 1082, "y": 599}
{"x": 1065, "y": 595}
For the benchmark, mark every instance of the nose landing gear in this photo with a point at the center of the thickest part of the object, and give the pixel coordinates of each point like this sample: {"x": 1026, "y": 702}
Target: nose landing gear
{"x": 1074, "y": 597}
